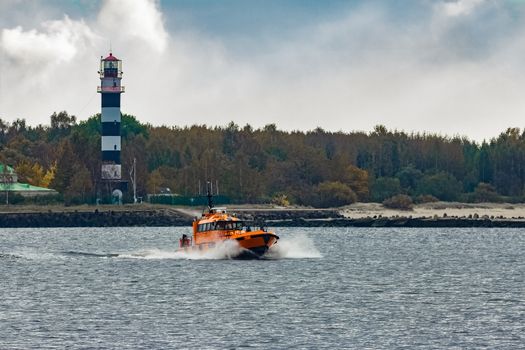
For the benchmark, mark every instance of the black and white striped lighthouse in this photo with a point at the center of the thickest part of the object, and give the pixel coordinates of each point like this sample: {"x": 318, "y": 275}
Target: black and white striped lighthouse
{"x": 110, "y": 89}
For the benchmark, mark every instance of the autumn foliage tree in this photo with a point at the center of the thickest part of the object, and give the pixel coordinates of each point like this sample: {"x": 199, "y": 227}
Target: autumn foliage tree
{"x": 333, "y": 194}
{"x": 317, "y": 167}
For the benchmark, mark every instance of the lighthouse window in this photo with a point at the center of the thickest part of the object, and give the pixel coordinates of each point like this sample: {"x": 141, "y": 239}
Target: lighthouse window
{"x": 110, "y": 72}
{"x": 115, "y": 147}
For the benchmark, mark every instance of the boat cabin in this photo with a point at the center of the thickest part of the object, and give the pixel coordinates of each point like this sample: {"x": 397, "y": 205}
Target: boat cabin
{"x": 220, "y": 225}
{"x": 215, "y": 211}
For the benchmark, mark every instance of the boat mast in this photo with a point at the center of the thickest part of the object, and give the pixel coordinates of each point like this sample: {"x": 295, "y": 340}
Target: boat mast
{"x": 209, "y": 195}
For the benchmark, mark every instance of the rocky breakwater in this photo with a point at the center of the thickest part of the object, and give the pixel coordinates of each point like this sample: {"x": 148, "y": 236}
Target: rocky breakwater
{"x": 95, "y": 218}
{"x": 290, "y": 217}
{"x": 334, "y": 218}
{"x": 286, "y": 217}
{"x": 401, "y": 221}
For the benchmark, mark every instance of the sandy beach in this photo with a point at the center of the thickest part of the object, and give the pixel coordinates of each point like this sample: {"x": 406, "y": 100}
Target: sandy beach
{"x": 359, "y": 214}
{"x": 439, "y": 209}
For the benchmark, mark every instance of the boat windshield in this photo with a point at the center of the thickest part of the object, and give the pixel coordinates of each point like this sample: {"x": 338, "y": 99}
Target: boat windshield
{"x": 228, "y": 225}
{"x": 221, "y": 225}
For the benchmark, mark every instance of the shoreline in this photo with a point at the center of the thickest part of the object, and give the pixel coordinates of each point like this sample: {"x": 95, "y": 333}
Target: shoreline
{"x": 440, "y": 209}
{"x": 439, "y": 214}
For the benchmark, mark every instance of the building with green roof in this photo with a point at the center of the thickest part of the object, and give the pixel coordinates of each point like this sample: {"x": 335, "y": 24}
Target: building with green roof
{"x": 9, "y": 182}
{"x": 7, "y": 174}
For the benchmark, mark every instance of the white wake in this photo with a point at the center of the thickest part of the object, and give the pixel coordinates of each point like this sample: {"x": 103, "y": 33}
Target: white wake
{"x": 298, "y": 246}
{"x": 223, "y": 250}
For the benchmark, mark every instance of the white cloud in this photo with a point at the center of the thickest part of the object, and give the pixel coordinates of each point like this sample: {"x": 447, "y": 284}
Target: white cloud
{"x": 460, "y": 7}
{"x": 347, "y": 74}
{"x": 53, "y": 66}
{"x": 130, "y": 20}
{"x": 59, "y": 41}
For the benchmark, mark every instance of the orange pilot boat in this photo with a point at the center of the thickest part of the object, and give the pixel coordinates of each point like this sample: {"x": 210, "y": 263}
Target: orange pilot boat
{"x": 216, "y": 225}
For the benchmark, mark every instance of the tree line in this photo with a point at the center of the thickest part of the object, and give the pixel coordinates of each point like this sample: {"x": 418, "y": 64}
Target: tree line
{"x": 317, "y": 167}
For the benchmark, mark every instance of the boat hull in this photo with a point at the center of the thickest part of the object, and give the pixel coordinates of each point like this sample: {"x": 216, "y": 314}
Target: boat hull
{"x": 253, "y": 246}
{"x": 257, "y": 245}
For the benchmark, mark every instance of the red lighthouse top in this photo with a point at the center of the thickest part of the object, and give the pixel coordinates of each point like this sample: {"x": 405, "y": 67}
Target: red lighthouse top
{"x": 111, "y": 58}
{"x": 110, "y": 67}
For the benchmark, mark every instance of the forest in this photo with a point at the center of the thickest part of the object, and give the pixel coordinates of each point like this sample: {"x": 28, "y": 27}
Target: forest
{"x": 314, "y": 168}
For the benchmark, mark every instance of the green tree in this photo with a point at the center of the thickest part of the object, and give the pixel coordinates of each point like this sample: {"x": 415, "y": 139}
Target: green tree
{"x": 385, "y": 187}
{"x": 79, "y": 189}
{"x": 155, "y": 181}
{"x": 409, "y": 178}
{"x": 65, "y": 168}
{"x": 442, "y": 185}
{"x": 61, "y": 125}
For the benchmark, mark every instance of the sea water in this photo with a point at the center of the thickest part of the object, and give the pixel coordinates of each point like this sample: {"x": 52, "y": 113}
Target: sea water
{"x": 320, "y": 288}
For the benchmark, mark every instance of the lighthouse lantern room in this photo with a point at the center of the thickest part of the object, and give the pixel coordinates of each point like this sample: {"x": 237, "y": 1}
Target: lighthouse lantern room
{"x": 110, "y": 88}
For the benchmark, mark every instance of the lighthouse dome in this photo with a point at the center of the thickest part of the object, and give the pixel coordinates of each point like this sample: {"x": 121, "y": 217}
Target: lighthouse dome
{"x": 111, "y": 58}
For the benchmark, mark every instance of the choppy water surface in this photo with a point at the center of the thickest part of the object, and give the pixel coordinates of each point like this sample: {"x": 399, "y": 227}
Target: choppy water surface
{"x": 323, "y": 289}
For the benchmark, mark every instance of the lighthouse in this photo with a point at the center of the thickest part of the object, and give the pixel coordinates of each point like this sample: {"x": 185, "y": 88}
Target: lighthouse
{"x": 110, "y": 90}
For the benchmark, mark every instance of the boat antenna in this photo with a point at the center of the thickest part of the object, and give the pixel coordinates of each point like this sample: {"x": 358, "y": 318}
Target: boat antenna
{"x": 209, "y": 195}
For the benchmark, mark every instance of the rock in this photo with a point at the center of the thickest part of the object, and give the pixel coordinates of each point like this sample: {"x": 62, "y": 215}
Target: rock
{"x": 298, "y": 218}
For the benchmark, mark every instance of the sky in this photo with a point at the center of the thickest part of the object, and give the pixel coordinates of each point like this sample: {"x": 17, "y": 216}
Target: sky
{"x": 456, "y": 68}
